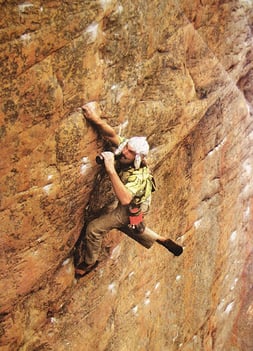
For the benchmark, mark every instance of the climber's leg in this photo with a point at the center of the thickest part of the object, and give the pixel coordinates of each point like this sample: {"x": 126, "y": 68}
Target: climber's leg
{"x": 98, "y": 228}
{"x": 146, "y": 238}
{"x": 170, "y": 245}
{"x": 149, "y": 237}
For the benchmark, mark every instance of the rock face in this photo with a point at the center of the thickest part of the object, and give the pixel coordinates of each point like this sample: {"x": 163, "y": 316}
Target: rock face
{"x": 178, "y": 72}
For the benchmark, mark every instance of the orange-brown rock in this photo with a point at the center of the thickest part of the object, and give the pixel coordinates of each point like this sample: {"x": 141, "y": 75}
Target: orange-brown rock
{"x": 178, "y": 72}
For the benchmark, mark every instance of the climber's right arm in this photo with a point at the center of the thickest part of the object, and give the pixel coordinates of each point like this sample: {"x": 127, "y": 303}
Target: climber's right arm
{"x": 104, "y": 128}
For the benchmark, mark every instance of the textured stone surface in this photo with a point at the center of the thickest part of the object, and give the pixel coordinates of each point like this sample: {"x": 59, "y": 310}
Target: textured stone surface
{"x": 179, "y": 72}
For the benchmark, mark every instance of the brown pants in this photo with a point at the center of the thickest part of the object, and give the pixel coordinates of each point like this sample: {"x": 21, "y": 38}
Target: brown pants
{"x": 117, "y": 219}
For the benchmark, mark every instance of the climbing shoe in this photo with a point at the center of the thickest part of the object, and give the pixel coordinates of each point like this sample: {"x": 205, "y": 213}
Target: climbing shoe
{"x": 170, "y": 245}
{"x": 83, "y": 268}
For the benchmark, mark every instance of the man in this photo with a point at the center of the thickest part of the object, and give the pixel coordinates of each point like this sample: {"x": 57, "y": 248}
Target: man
{"x": 132, "y": 184}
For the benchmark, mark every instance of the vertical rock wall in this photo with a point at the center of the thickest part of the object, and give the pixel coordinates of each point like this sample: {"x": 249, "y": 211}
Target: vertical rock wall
{"x": 178, "y": 72}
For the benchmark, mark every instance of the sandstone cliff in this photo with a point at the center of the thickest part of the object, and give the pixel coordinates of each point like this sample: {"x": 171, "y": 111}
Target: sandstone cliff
{"x": 178, "y": 72}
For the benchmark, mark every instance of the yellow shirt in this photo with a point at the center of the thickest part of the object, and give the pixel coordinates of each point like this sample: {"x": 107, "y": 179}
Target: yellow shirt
{"x": 139, "y": 182}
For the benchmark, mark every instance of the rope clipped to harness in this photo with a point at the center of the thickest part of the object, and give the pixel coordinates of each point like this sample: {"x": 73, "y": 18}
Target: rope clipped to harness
{"x": 136, "y": 219}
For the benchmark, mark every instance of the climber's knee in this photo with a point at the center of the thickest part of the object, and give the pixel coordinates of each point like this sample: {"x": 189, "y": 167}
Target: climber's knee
{"x": 95, "y": 230}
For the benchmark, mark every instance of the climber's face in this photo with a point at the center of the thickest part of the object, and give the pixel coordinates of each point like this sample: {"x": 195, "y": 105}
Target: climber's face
{"x": 127, "y": 155}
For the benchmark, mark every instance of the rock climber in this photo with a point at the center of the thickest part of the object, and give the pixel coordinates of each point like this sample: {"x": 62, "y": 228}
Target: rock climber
{"x": 133, "y": 184}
